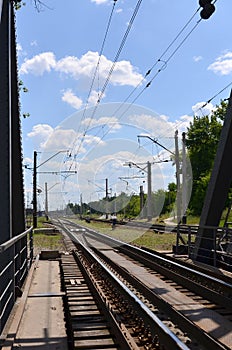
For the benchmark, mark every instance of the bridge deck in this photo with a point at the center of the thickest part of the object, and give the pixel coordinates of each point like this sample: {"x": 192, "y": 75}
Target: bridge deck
{"x": 38, "y": 321}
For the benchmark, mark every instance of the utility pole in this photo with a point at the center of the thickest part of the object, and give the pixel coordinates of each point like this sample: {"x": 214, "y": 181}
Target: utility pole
{"x": 35, "y": 191}
{"x": 35, "y": 172}
{"x": 148, "y": 171}
{"x": 81, "y": 206}
{"x": 141, "y": 195}
{"x": 107, "y": 196}
{"x": 46, "y": 200}
{"x": 177, "y": 161}
{"x": 184, "y": 180}
{"x": 149, "y": 206}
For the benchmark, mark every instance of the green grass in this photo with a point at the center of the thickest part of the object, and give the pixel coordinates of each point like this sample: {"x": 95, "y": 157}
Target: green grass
{"x": 147, "y": 238}
{"x": 48, "y": 242}
{"x": 160, "y": 242}
{"x": 140, "y": 237}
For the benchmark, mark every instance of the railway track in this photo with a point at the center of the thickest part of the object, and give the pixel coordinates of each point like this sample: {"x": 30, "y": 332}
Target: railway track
{"x": 102, "y": 313}
{"x": 88, "y": 325}
{"x": 186, "y": 235}
{"x": 194, "y": 313}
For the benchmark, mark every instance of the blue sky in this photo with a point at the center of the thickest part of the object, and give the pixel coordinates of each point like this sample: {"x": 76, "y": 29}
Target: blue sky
{"x": 58, "y": 52}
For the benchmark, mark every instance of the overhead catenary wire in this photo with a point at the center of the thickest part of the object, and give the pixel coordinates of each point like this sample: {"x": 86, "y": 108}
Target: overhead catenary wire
{"x": 147, "y": 73}
{"x": 165, "y": 62}
{"x": 178, "y": 125}
{"x": 135, "y": 12}
{"x": 199, "y": 109}
{"x": 158, "y": 71}
{"x": 117, "y": 54}
{"x": 99, "y": 58}
{"x": 97, "y": 67}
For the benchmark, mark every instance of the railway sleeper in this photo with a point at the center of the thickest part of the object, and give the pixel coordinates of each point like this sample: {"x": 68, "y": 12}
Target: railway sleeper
{"x": 88, "y": 326}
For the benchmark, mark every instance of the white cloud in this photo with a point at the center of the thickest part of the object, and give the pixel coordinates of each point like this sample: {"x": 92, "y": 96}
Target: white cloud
{"x": 197, "y": 58}
{"x": 83, "y": 70}
{"x": 20, "y": 50}
{"x": 27, "y": 161}
{"x": 155, "y": 125}
{"x": 94, "y": 96}
{"x": 39, "y": 64}
{"x": 92, "y": 140}
{"x": 40, "y": 133}
{"x": 75, "y": 67}
{"x": 99, "y": 2}
{"x": 164, "y": 117}
{"x": 184, "y": 122}
{"x": 110, "y": 122}
{"x": 69, "y": 139}
{"x": 223, "y": 64}
{"x": 71, "y": 99}
{"x": 60, "y": 139}
{"x": 123, "y": 74}
{"x": 203, "y": 108}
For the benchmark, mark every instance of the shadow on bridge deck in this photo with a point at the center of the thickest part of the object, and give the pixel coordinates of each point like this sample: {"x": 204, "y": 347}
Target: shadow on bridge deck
{"x": 38, "y": 321}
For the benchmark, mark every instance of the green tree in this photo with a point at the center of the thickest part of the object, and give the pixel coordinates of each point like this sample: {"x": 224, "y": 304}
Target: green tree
{"x": 133, "y": 207}
{"x": 170, "y": 197}
{"x": 201, "y": 141}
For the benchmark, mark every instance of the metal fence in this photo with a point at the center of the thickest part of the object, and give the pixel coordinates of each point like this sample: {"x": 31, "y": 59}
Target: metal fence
{"x": 16, "y": 257}
{"x": 220, "y": 242}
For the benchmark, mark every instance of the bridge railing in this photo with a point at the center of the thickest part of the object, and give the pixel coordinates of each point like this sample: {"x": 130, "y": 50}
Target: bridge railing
{"x": 217, "y": 247}
{"x": 16, "y": 257}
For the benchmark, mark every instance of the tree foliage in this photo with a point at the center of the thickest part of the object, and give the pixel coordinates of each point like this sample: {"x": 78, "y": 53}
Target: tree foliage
{"x": 129, "y": 206}
{"x": 201, "y": 141}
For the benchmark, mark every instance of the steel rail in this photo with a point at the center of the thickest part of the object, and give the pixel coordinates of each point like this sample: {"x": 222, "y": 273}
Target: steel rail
{"x": 226, "y": 285}
{"x": 181, "y": 320}
{"x": 167, "y": 338}
{"x": 185, "y": 278}
{"x": 142, "y": 252}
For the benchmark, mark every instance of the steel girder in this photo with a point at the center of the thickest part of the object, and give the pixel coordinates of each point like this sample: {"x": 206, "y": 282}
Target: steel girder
{"x": 12, "y": 218}
{"x": 216, "y": 194}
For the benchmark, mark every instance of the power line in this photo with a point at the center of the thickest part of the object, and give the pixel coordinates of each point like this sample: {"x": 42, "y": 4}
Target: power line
{"x": 165, "y": 62}
{"x": 153, "y": 66}
{"x": 96, "y": 68}
{"x": 148, "y": 72}
{"x": 135, "y": 12}
{"x": 100, "y": 55}
{"x": 205, "y": 104}
{"x": 116, "y": 58}
{"x": 120, "y": 48}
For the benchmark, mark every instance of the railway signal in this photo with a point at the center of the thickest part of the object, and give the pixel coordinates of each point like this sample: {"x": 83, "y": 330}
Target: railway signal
{"x": 207, "y": 8}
